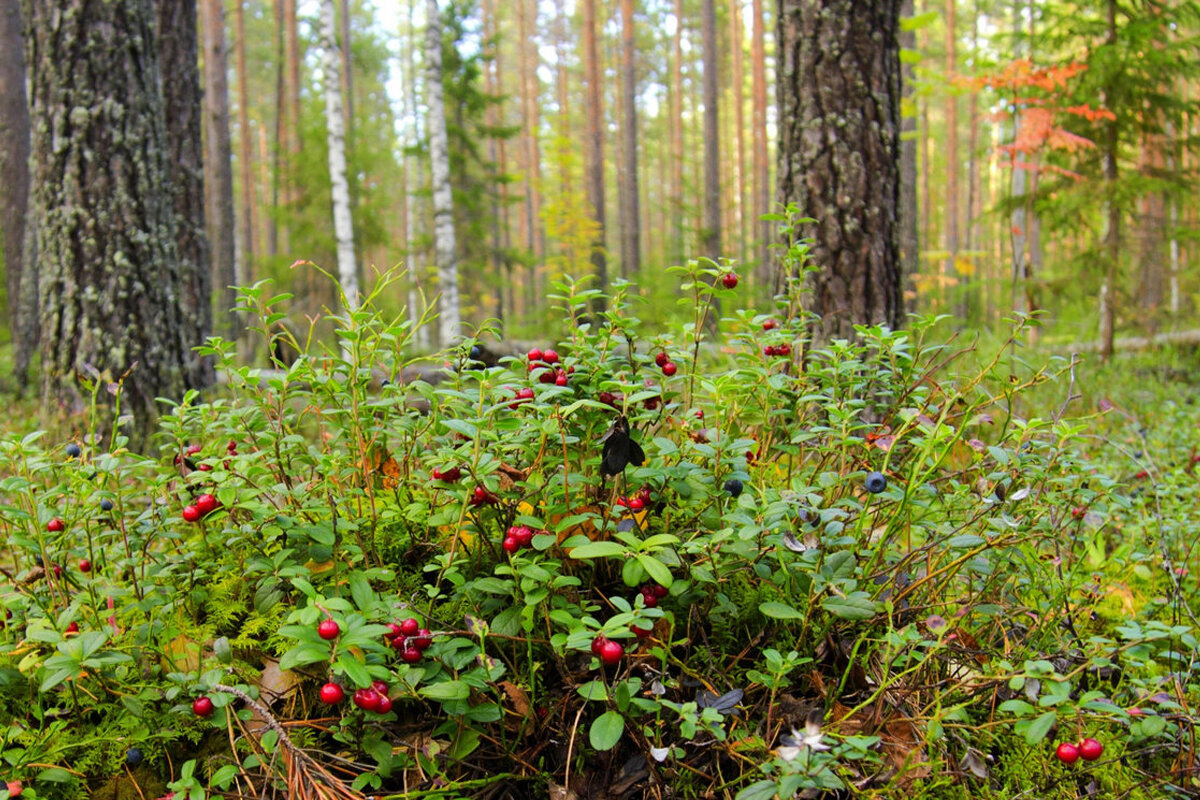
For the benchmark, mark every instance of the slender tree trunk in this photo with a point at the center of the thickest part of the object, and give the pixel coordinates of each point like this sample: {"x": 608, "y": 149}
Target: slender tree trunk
{"x": 105, "y": 221}
{"x": 1019, "y": 225}
{"x": 762, "y": 164}
{"x": 14, "y": 190}
{"x": 910, "y": 245}
{"x": 439, "y": 157}
{"x": 970, "y": 224}
{"x": 1153, "y": 209}
{"x": 276, "y": 150}
{"x": 711, "y": 241}
{"x": 951, "y": 204}
{"x": 529, "y": 101}
{"x": 347, "y": 74}
{"x": 178, "y": 45}
{"x": 595, "y": 146}
{"x": 676, "y": 111}
{"x": 245, "y": 160}
{"x": 630, "y": 214}
{"x": 218, "y": 164}
{"x": 1112, "y": 216}
{"x": 343, "y": 221}
{"x": 839, "y": 153}
{"x": 736, "y": 26}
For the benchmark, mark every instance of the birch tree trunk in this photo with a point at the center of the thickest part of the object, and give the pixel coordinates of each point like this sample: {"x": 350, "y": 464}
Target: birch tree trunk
{"x": 343, "y": 222}
{"x": 443, "y": 200}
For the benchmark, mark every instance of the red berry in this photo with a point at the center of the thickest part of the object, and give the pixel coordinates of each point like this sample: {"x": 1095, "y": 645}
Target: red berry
{"x": 648, "y": 599}
{"x": 650, "y": 403}
{"x": 206, "y": 504}
{"x": 14, "y": 788}
{"x": 769, "y": 350}
{"x": 191, "y": 514}
{"x": 192, "y": 449}
{"x": 659, "y": 590}
{"x": 332, "y": 694}
{"x": 644, "y": 494}
{"x": 1090, "y": 749}
{"x": 385, "y": 704}
{"x": 669, "y": 368}
{"x": 1067, "y": 753}
{"x": 525, "y": 393}
{"x": 608, "y": 398}
{"x": 393, "y": 631}
{"x": 328, "y": 629}
{"x": 202, "y": 706}
{"x": 550, "y": 357}
{"x": 85, "y": 566}
{"x": 379, "y": 687}
{"x": 57, "y": 569}
{"x": 523, "y": 535}
{"x": 205, "y": 467}
{"x": 535, "y": 354}
{"x": 662, "y": 359}
{"x": 611, "y": 652}
{"x": 729, "y": 280}
{"x": 399, "y": 642}
{"x": 72, "y": 627}
{"x": 641, "y": 633}
{"x": 367, "y": 699}
{"x": 770, "y": 325}
{"x": 560, "y": 378}
{"x": 598, "y": 644}
{"x": 423, "y": 640}
{"x": 409, "y": 627}
{"x": 55, "y": 525}
{"x": 783, "y": 350}
{"x": 411, "y": 655}
{"x": 1079, "y": 512}
{"x": 510, "y": 544}
{"x": 636, "y": 503}
{"x": 478, "y": 496}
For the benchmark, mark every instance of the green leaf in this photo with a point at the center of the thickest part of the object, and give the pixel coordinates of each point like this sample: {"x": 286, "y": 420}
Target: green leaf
{"x": 656, "y": 570}
{"x": 54, "y": 775}
{"x": 449, "y": 690}
{"x": 856, "y": 605}
{"x": 762, "y": 790}
{"x": 360, "y": 589}
{"x": 598, "y": 550}
{"x": 779, "y": 611}
{"x": 353, "y": 669}
{"x": 1040, "y": 727}
{"x": 593, "y": 690}
{"x": 606, "y": 731}
{"x": 304, "y": 654}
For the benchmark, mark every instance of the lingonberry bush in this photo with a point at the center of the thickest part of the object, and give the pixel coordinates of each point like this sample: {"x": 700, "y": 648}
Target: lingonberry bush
{"x": 875, "y": 567}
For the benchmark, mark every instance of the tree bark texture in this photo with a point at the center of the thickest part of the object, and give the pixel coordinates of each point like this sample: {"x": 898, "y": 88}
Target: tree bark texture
{"x": 245, "y": 159}
{"x": 14, "y": 189}
{"x": 111, "y": 278}
{"x": 343, "y": 222}
{"x": 762, "y": 163}
{"x": 737, "y": 100}
{"x": 676, "y": 110}
{"x": 183, "y": 108}
{"x": 909, "y": 240}
{"x": 443, "y": 200}
{"x": 839, "y": 153}
{"x": 218, "y": 165}
{"x": 711, "y": 241}
{"x": 595, "y": 144}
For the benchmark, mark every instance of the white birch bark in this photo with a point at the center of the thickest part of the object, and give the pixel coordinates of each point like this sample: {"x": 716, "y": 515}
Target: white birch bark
{"x": 343, "y": 222}
{"x": 439, "y": 158}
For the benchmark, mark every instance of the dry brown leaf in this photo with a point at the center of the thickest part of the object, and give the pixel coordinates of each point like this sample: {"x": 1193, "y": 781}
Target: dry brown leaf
{"x": 517, "y": 696}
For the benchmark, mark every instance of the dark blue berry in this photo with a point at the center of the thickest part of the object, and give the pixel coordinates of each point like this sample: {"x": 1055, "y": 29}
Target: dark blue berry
{"x": 106, "y": 505}
{"x": 876, "y": 482}
{"x": 73, "y": 450}
{"x": 133, "y": 756}
{"x": 733, "y": 486}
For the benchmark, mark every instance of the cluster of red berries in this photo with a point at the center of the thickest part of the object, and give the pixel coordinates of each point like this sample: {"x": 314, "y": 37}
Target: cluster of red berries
{"x": 518, "y": 536}
{"x": 608, "y": 651}
{"x": 638, "y": 501}
{"x": 482, "y": 497}
{"x": 409, "y": 639}
{"x": 665, "y": 363}
{"x": 522, "y": 395}
{"x": 545, "y": 361}
{"x": 650, "y": 403}
{"x": 376, "y": 698}
{"x": 1089, "y": 750}
{"x": 652, "y": 593}
{"x": 784, "y": 349}
{"x": 204, "y": 505}
{"x": 449, "y": 476}
{"x": 1079, "y": 512}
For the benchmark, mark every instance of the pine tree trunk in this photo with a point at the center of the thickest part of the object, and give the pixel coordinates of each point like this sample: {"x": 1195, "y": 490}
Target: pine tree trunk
{"x": 245, "y": 148}
{"x": 439, "y": 157}
{"x": 218, "y": 166}
{"x": 529, "y": 102}
{"x": 762, "y": 163}
{"x": 909, "y": 241}
{"x": 737, "y": 100}
{"x": 839, "y": 153}
{"x": 1112, "y": 217}
{"x": 677, "y": 132}
{"x": 183, "y": 109}
{"x": 343, "y": 221}
{"x": 711, "y": 240}
{"x": 951, "y": 204}
{"x": 14, "y": 191}
{"x": 630, "y": 213}
{"x": 595, "y": 146}
{"x": 111, "y": 275}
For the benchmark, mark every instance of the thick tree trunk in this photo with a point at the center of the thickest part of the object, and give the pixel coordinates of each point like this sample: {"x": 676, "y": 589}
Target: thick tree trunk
{"x": 711, "y": 240}
{"x": 111, "y": 276}
{"x": 218, "y": 165}
{"x": 909, "y": 242}
{"x": 630, "y": 214}
{"x": 762, "y": 161}
{"x": 14, "y": 190}
{"x": 839, "y": 153}
{"x": 595, "y": 145}
{"x": 343, "y": 221}
{"x": 439, "y": 157}
{"x": 183, "y": 108}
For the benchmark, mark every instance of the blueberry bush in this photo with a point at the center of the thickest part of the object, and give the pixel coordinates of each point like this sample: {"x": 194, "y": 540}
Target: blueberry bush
{"x": 710, "y": 561}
